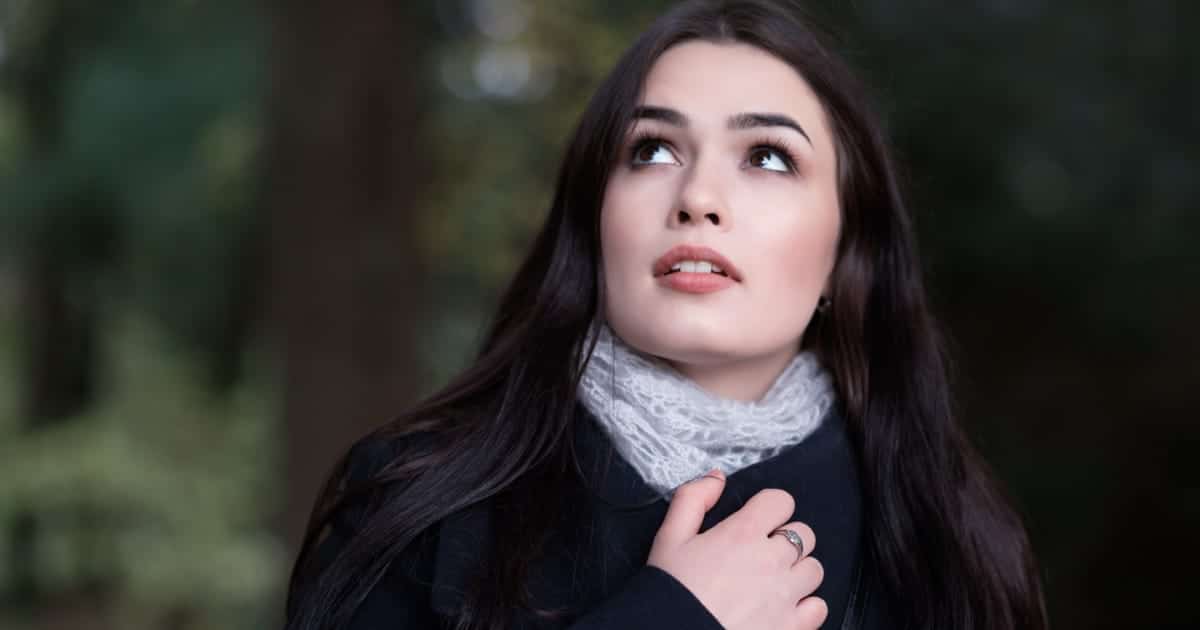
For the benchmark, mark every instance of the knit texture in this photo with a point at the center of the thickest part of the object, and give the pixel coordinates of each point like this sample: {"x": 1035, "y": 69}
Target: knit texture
{"x": 670, "y": 430}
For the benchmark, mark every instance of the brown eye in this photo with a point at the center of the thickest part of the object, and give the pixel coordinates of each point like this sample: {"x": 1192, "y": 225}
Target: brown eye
{"x": 653, "y": 152}
{"x": 770, "y": 159}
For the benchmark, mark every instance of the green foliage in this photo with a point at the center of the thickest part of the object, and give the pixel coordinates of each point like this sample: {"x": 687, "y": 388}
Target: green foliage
{"x": 128, "y": 142}
{"x": 161, "y": 488}
{"x": 143, "y": 161}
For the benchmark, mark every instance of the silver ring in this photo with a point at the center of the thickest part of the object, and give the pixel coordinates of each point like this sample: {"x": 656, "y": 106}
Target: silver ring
{"x": 793, "y": 538}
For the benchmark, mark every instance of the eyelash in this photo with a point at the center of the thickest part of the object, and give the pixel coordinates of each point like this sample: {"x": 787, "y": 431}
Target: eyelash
{"x": 641, "y": 139}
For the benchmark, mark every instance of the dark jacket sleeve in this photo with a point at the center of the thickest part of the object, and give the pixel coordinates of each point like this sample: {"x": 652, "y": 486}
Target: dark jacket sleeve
{"x": 651, "y": 600}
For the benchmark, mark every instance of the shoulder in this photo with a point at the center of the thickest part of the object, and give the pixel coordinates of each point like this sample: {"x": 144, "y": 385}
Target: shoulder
{"x": 371, "y": 476}
{"x": 359, "y": 494}
{"x": 362, "y": 524}
{"x": 371, "y": 453}
{"x": 377, "y": 451}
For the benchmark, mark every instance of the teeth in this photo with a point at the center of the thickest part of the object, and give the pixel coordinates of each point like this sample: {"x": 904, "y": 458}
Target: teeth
{"x": 697, "y": 266}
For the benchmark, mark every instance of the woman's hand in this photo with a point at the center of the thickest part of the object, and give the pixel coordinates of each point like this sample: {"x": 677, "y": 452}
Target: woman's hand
{"x": 746, "y": 579}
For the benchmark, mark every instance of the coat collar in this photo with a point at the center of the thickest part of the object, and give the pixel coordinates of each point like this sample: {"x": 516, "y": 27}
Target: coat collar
{"x": 821, "y": 472}
{"x": 825, "y": 459}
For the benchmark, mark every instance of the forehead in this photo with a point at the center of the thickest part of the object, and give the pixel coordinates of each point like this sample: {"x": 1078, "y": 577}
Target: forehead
{"x": 708, "y": 81}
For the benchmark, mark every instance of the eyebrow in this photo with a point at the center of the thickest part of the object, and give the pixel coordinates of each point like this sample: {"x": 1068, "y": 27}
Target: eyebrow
{"x": 737, "y": 121}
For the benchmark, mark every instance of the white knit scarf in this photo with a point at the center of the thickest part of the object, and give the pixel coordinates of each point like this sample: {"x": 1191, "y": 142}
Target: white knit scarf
{"x": 671, "y": 431}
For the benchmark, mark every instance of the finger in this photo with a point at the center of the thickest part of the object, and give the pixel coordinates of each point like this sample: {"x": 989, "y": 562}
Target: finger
{"x": 763, "y": 512}
{"x": 807, "y": 575}
{"x": 807, "y": 536}
{"x": 811, "y": 613}
{"x": 691, "y": 501}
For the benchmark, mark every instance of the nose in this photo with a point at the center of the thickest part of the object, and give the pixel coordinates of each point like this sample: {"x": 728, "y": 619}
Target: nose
{"x": 700, "y": 202}
{"x": 685, "y": 216}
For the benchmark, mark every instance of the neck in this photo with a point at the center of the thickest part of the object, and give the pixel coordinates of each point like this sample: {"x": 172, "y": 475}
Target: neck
{"x": 746, "y": 380}
{"x": 676, "y": 421}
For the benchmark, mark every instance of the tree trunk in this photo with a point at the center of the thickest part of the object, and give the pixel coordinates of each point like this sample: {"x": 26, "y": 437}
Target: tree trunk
{"x": 343, "y": 180}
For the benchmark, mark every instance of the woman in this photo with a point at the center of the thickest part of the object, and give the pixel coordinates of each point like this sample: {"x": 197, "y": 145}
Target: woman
{"x": 727, "y": 279}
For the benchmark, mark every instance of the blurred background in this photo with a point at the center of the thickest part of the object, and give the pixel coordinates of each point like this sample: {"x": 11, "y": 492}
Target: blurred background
{"x": 234, "y": 236}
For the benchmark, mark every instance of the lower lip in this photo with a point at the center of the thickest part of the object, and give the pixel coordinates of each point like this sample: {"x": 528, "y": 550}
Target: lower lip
{"x": 690, "y": 282}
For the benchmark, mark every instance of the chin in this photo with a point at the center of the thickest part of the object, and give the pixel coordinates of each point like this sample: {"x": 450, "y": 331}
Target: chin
{"x": 682, "y": 342}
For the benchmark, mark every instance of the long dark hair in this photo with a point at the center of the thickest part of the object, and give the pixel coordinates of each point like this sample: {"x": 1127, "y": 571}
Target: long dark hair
{"x": 950, "y": 551}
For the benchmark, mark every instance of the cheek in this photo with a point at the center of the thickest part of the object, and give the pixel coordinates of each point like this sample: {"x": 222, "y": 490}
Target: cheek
{"x": 627, "y": 222}
{"x": 798, "y": 254}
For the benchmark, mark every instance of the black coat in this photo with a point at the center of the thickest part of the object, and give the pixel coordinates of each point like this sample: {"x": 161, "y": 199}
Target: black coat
{"x": 595, "y": 565}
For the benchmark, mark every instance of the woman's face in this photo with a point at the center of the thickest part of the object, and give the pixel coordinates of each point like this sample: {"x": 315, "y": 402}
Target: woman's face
{"x": 729, "y": 155}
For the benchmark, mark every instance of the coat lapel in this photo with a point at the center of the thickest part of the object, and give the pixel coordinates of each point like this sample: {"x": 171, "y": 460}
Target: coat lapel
{"x": 619, "y": 514}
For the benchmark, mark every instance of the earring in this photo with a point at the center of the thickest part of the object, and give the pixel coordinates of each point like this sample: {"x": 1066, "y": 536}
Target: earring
{"x": 823, "y": 304}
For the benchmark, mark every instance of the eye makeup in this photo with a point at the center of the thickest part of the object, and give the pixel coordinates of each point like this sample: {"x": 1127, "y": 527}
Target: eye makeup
{"x": 641, "y": 140}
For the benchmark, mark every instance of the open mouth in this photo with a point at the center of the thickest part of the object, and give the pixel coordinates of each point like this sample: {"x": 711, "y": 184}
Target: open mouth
{"x": 695, "y": 259}
{"x": 692, "y": 266}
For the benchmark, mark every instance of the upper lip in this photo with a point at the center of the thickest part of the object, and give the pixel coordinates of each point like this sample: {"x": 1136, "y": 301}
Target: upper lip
{"x": 695, "y": 252}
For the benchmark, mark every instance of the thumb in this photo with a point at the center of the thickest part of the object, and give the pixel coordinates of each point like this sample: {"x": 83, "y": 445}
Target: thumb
{"x": 688, "y": 507}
